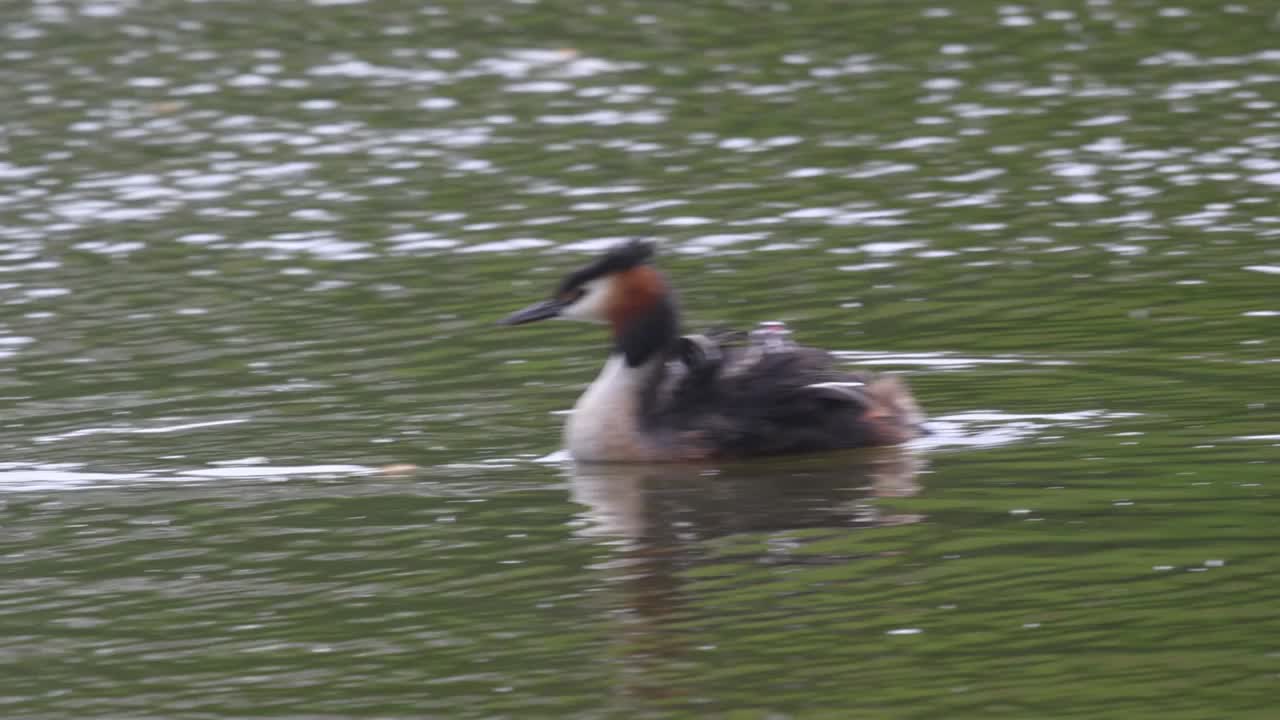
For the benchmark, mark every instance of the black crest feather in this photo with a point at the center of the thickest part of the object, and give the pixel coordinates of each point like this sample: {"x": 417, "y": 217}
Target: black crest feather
{"x": 618, "y": 258}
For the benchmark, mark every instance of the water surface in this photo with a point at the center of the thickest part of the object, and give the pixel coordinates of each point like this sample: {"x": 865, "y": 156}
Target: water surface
{"x": 266, "y": 455}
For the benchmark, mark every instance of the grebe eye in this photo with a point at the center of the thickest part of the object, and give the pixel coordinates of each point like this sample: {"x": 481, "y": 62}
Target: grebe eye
{"x": 569, "y": 297}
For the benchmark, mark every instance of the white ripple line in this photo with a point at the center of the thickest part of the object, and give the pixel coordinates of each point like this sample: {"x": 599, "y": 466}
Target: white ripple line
{"x": 135, "y": 431}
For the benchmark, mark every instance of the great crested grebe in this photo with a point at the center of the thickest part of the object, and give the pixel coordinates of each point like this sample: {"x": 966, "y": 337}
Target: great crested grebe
{"x": 663, "y": 397}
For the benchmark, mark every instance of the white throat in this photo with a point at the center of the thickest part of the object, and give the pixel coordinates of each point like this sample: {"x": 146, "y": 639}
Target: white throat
{"x": 605, "y": 425}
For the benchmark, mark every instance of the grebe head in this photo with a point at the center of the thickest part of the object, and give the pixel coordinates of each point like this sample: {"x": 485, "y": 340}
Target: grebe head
{"x": 621, "y": 289}
{"x": 613, "y": 289}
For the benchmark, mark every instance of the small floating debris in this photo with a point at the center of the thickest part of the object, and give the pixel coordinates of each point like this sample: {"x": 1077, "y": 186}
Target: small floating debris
{"x": 905, "y": 631}
{"x": 398, "y": 469}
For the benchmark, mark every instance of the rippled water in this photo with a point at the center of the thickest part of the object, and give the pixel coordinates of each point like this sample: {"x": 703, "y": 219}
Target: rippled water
{"x": 265, "y": 454}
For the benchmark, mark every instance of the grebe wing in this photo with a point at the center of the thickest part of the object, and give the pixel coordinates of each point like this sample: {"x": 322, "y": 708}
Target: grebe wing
{"x": 751, "y": 401}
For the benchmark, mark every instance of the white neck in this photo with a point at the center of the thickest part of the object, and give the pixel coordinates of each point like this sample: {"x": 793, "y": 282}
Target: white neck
{"x": 605, "y": 425}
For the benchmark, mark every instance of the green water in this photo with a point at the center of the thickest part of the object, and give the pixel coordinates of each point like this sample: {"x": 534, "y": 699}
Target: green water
{"x": 265, "y": 454}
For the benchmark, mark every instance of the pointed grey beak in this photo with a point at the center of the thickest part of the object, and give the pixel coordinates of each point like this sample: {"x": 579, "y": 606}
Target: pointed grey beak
{"x": 537, "y": 311}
